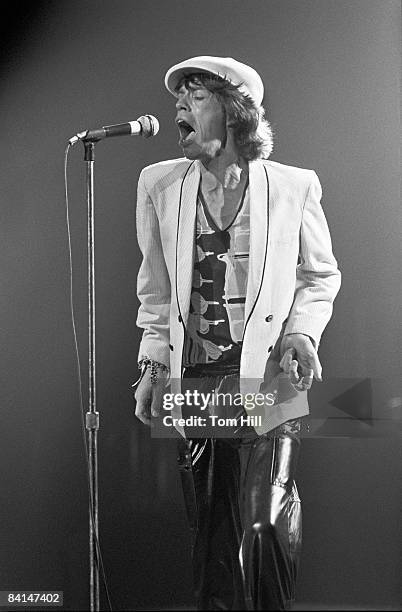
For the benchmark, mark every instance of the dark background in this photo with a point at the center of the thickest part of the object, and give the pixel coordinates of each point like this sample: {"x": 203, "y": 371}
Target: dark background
{"x": 331, "y": 69}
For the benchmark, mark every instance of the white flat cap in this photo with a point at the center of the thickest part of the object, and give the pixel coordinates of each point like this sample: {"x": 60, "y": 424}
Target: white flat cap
{"x": 225, "y": 67}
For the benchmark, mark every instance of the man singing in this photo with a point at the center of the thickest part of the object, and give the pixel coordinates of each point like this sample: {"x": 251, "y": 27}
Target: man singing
{"x": 236, "y": 287}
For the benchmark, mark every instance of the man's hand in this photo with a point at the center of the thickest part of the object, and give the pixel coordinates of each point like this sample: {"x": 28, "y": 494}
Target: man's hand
{"x": 300, "y": 360}
{"x": 149, "y": 396}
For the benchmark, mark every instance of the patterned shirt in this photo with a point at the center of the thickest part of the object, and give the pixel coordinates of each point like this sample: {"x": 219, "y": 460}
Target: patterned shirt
{"x": 215, "y": 324}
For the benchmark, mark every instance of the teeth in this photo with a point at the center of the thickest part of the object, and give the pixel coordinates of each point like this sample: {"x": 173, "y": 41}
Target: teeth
{"x": 183, "y": 124}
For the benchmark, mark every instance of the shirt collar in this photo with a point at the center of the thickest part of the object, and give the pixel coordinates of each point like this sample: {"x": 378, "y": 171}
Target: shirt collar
{"x": 235, "y": 173}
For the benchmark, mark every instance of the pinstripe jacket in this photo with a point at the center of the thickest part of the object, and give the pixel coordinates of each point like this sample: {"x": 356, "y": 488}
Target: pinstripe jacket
{"x": 293, "y": 276}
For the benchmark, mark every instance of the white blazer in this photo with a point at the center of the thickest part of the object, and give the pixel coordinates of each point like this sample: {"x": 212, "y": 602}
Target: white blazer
{"x": 293, "y": 276}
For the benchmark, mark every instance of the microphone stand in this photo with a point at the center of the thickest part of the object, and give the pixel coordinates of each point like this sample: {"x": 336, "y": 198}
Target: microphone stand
{"x": 145, "y": 126}
{"x": 92, "y": 416}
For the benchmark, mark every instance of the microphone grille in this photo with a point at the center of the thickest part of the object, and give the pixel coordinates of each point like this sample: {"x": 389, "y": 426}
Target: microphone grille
{"x": 149, "y": 125}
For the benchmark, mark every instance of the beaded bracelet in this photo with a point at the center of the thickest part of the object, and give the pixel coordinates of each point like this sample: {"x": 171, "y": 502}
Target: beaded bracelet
{"x": 154, "y": 365}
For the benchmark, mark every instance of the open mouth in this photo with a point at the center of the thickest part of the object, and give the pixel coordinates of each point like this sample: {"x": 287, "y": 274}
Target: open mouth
{"x": 185, "y": 130}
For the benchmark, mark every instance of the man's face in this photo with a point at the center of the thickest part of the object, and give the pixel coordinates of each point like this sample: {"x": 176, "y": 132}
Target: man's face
{"x": 201, "y": 122}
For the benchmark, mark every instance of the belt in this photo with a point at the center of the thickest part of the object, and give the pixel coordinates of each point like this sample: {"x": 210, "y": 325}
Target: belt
{"x": 212, "y": 369}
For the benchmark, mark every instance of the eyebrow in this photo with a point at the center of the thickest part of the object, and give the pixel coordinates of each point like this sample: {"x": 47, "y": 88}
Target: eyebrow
{"x": 190, "y": 85}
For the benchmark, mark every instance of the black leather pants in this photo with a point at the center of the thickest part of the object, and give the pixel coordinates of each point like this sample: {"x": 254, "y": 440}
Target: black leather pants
{"x": 245, "y": 518}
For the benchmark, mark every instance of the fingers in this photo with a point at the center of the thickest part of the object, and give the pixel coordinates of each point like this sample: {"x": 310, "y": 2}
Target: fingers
{"x": 293, "y": 373}
{"x": 142, "y": 412}
{"x": 316, "y": 367}
{"x": 156, "y": 405}
{"x": 287, "y": 359}
{"x": 143, "y": 416}
{"x": 143, "y": 399}
{"x": 310, "y": 367}
{"x": 303, "y": 370}
{"x": 302, "y": 382}
{"x": 148, "y": 404}
{"x": 290, "y": 365}
{"x": 305, "y": 381}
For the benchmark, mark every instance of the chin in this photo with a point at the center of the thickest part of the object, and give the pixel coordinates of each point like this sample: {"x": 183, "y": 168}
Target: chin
{"x": 205, "y": 153}
{"x": 189, "y": 154}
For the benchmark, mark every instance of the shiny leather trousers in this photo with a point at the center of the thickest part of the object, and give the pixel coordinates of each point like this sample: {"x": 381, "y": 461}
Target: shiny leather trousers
{"x": 245, "y": 518}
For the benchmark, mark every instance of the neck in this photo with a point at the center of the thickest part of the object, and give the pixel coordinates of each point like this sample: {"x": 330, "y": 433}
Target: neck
{"x": 219, "y": 165}
{"x": 223, "y": 159}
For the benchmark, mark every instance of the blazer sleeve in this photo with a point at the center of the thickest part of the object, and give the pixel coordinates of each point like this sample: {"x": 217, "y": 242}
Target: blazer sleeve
{"x": 318, "y": 278}
{"x": 153, "y": 283}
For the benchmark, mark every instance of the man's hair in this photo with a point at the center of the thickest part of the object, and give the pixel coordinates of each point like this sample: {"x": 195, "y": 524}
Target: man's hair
{"x": 252, "y": 132}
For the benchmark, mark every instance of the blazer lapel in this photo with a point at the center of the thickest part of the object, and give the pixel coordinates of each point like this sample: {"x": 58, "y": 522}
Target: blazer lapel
{"x": 185, "y": 243}
{"x": 259, "y": 227}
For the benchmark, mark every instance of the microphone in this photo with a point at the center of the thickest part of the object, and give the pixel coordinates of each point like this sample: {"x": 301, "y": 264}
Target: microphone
{"x": 145, "y": 126}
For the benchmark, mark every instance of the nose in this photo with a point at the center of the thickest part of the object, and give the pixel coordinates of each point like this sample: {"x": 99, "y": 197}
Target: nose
{"x": 182, "y": 103}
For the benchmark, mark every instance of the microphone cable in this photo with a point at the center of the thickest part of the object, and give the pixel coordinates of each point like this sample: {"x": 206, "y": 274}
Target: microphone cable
{"x": 99, "y": 560}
